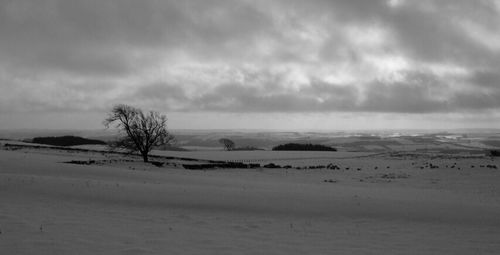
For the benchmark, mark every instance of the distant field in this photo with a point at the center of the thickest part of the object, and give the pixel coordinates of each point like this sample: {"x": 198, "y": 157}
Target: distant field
{"x": 360, "y": 141}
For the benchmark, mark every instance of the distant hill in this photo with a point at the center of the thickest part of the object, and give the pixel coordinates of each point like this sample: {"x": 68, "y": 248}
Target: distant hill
{"x": 65, "y": 140}
{"x": 303, "y": 147}
{"x": 493, "y": 143}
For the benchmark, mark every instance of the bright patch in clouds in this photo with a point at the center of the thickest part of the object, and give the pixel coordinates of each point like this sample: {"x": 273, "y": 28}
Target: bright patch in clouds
{"x": 255, "y": 64}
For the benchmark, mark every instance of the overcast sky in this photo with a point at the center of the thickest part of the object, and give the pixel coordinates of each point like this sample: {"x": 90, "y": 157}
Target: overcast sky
{"x": 290, "y": 64}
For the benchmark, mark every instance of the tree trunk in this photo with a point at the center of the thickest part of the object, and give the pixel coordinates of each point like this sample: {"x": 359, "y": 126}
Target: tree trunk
{"x": 145, "y": 157}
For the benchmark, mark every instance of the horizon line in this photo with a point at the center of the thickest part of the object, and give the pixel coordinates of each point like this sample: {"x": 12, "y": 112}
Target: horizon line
{"x": 261, "y": 129}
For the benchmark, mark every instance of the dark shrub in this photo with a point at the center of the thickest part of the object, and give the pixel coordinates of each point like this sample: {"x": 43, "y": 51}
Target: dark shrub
{"x": 65, "y": 140}
{"x": 495, "y": 153}
{"x": 157, "y": 163}
{"x": 303, "y": 147}
{"x": 272, "y": 165}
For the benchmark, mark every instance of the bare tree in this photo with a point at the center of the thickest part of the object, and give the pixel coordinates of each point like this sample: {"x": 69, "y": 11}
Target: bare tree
{"x": 228, "y": 144}
{"x": 142, "y": 132}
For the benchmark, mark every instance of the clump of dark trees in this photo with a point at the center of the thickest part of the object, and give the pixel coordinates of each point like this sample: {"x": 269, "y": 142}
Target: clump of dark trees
{"x": 495, "y": 153}
{"x": 227, "y": 143}
{"x": 65, "y": 140}
{"x": 303, "y": 147}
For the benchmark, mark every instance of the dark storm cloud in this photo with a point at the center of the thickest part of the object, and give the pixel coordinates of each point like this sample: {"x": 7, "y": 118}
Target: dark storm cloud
{"x": 402, "y": 98}
{"x": 98, "y": 37}
{"x": 434, "y": 31}
{"x": 477, "y": 100}
{"x": 422, "y": 30}
{"x": 488, "y": 79}
{"x": 261, "y": 56}
{"x": 158, "y": 95}
{"x": 415, "y": 96}
{"x": 238, "y": 98}
{"x": 160, "y": 91}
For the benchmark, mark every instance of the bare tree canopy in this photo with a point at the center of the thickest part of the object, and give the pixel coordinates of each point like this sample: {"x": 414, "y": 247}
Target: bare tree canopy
{"x": 142, "y": 132}
{"x": 228, "y": 144}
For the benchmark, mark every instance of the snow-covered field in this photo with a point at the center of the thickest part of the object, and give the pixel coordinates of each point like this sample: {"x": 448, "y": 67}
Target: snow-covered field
{"x": 284, "y": 157}
{"x": 391, "y": 205}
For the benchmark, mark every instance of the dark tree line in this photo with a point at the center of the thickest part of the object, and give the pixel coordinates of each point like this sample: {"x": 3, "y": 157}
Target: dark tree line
{"x": 65, "y": 140}
{"x": 303, "y": 147}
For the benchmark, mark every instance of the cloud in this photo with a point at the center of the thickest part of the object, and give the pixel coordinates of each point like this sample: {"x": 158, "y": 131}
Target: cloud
{"x": 238, "y": 98}
{"x": 476, "y": 101}
{"x": 417, "y": 95}
{"x": 281, "y": 56}
{"x": 486, "y": 79}
{"x": 401, "y": 98}
{"x": 112, "y": 37}
{"x": 434, "y": 31}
